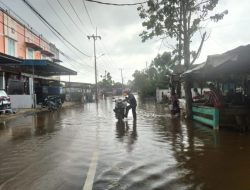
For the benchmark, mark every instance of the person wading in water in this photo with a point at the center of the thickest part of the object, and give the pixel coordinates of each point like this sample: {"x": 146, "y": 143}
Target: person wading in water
{"x": 130, "y": 98}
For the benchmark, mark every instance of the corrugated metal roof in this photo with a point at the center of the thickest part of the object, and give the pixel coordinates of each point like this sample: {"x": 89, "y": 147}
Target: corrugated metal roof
{"x": 234, "y": 61}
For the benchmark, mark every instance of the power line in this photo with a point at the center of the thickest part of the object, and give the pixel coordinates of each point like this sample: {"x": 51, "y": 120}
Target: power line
{"x": 51, "y": 27}
{"x": 70, "y": 58}
{"x": 72, "y": 20}
{"x": 88, "y": 13}
{"x": 104, "y": 48}
{"x": 76, "y": 67}
{"x": 8, "y": 9}
{"x": 76, "y": 13}
{"x": 62, "y": 53}
{"x": 62, "y": 40}
{"x": 61, "y": 21}
{"x": 50, "y": 5}
{"x": 116, "y": 4}
{"x": 66, "y": 56}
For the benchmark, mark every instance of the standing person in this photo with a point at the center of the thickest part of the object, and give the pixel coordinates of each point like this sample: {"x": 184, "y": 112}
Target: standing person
{"x": 175, "y": 108}
{"x": 130, "y": 98}
{"x": 213, "y": 97}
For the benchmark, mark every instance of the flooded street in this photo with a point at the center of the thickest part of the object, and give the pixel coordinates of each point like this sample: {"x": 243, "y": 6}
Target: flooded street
{"x": 63, "y": 150}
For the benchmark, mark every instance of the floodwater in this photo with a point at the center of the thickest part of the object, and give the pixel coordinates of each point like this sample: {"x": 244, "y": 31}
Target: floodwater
{"x": 62, "y": 150}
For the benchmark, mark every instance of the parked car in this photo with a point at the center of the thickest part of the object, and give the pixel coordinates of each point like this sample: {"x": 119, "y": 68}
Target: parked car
{"x": 5, "y": 104}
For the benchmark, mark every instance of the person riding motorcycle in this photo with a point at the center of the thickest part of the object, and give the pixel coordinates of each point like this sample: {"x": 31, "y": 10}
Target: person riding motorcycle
{"x": 130, "y": 98}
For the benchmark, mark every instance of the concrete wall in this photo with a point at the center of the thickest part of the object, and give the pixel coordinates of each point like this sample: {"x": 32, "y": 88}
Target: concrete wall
{"x": 21, "y": 101}
{"x": 2, "y": 43}
{"x": 11, "y": 28}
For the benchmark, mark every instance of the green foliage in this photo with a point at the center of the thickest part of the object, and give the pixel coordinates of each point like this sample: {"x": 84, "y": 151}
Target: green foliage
{"x": 106, "y": 82}
{"x": 157, "y": 75}
{"x": 177, "y": 19}
{"x": 107, "y": 85}
{"x": 117, "y": 85}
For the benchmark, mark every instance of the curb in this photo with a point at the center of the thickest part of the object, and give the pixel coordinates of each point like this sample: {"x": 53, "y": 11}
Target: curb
{"x": 29, "y": 111}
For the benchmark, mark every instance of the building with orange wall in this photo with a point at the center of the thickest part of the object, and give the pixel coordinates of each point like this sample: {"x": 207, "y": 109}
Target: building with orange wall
{"x": 22, "y": 42}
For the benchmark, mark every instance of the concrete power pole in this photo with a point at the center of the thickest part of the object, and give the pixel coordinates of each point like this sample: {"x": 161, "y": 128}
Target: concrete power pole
{"x": 95, "y": 37}
{"x": 122, "y": 80}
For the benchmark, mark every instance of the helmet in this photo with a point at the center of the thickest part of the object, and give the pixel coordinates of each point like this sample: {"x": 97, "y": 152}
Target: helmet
{"x": 127, "y": 90}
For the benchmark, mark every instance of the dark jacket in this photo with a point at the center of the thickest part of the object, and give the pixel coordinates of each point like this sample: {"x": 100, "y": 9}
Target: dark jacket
{"x": 131, "y": 100}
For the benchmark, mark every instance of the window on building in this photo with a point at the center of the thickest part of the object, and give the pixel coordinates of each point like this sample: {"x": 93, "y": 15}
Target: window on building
{"x": 43, "y": 56}
{"x": 11, "y": 47}
{"x": 30, "y": 54}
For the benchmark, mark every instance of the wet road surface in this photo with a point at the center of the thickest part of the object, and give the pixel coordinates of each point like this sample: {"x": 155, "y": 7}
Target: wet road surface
{"x": 63, "y": 150}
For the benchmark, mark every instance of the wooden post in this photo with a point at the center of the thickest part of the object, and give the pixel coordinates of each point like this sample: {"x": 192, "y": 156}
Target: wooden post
{"x": 216, "y": 118}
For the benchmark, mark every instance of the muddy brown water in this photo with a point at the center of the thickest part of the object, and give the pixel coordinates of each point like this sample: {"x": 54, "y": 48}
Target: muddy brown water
{"x": 54, "y": 151}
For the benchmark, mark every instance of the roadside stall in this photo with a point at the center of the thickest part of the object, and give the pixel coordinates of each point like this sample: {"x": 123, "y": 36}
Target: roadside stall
{"x": 79, "y": 92}
{"x": 229, "y": 76}
{"x": 35, "y": 77}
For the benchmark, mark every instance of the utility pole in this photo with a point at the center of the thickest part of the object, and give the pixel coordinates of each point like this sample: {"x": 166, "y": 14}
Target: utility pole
{"x": 122, "y": 79}
{"x": 95, "y": 37}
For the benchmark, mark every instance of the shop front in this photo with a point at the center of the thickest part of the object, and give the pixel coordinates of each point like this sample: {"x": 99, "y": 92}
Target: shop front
{"x": 19, "y": 77}
{"x": 229, "y": 73}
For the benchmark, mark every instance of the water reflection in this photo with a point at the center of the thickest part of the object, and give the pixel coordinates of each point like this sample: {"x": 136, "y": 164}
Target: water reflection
{"x": 31, "y": 125}
{"x": 21, "y": 132}
{"x": 125, "y": 135}
{"x": 53, "y": 151}
{"x": 2, "y": 125}
{"x": 46, "y": 123}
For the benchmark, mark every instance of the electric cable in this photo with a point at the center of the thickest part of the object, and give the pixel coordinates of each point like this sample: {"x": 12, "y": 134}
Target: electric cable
{"x": 104, "y": 47}
{"x": 116, "y": 4}
{"x": 77, "y": 14}
{"x": 62, "y": 53}
{"x": 88, "y": 13}
{"x": 70, "y": 58}
{"x": 50, "y": 26}
{"x": 59, "y": 18}
{"x": 50, "y": 5}
{"x": 72, "y": 20}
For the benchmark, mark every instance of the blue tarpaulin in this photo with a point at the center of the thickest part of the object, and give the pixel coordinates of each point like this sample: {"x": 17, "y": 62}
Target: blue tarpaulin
{"x": 45, "y": 68}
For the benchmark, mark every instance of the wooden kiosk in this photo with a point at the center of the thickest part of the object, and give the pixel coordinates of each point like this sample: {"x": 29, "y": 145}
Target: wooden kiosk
{"x": 230, "y": 73}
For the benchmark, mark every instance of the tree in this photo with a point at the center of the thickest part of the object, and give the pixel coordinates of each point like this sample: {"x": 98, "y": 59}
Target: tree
{"x": 117, "y": 85}
{"x": 179, "y": 20}
{"x": 106, "y": 83}
{"x": 157, "y": 75}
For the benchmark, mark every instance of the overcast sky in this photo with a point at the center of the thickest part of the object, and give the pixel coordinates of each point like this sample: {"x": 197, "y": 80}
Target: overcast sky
{"x": 119, "y": 28}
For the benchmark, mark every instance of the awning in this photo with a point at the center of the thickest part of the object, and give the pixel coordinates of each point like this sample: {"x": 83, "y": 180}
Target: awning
{"x": 47, "y": 53}
{"x": 56, "y": 60}
{"x": 33, "y": 46}
{"x": 7, "y": 59}
{"x": 9, "y": 63}
{"x": 236, "y": 61}
{"x": 45, "y": 68}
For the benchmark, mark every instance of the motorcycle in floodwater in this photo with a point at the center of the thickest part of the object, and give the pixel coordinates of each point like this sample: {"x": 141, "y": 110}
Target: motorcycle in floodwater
{"x": 120, "y": 109}
{"x": 53, "y": 103}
